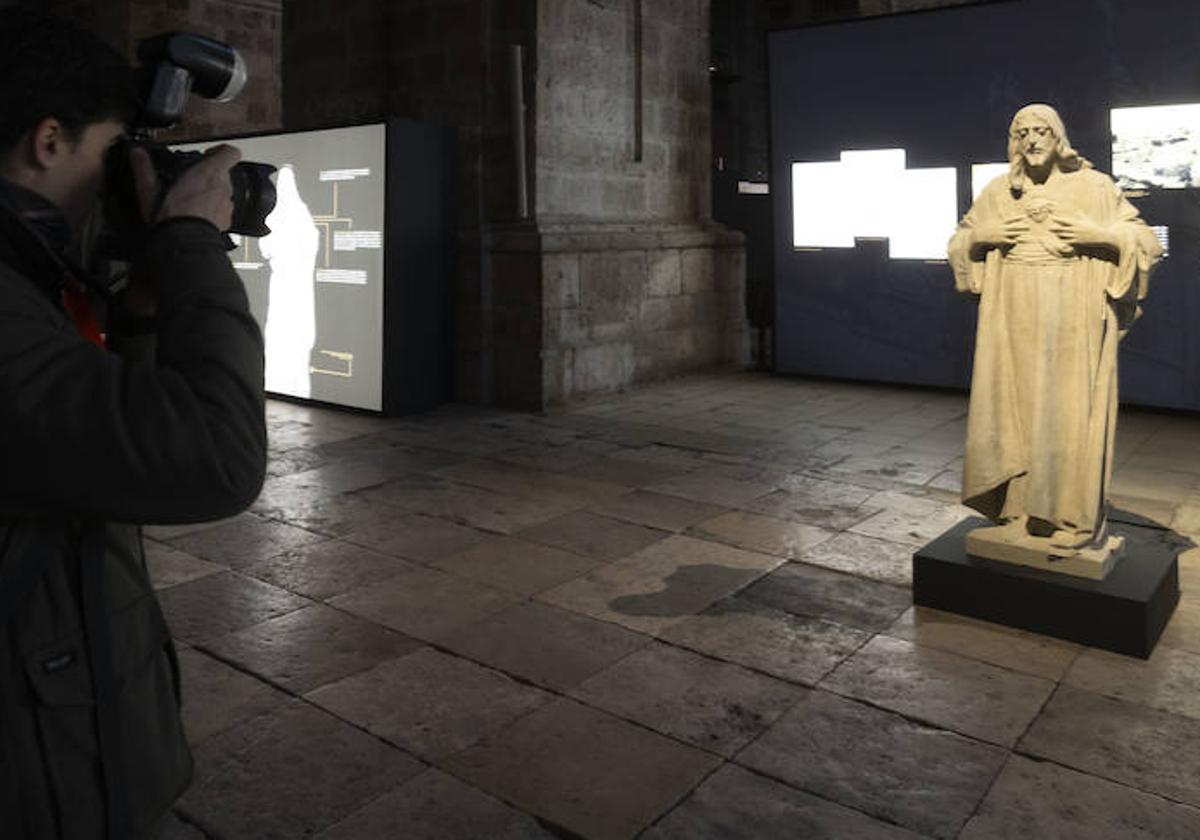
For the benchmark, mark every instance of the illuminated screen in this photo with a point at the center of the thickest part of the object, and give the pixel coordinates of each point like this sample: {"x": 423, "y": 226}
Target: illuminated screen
{"x": 983, "y": 174}
{"x": 1163, "y": 234}
{"x": 316, "y": 282}
{"x": 873, "y": 195}
{"x": 1156, "y": 146}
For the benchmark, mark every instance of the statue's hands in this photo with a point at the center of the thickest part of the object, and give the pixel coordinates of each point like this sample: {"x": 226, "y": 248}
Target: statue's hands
{"x": 1002, "y": 234}
{"x": 1081, "y": 233}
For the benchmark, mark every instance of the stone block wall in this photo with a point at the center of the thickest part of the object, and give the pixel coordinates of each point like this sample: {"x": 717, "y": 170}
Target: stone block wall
{"x": 621, "y": 135}
{"x": 638, "y": 284}
{"x": 254, "y": 27}
{"x": 334, "y": 57}
{"x": 622, "y": 306}
{"x": 108, "y": 20}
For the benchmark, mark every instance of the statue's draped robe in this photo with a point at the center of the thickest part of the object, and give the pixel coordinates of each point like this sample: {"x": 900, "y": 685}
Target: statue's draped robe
{"x": 1044, "y": 390}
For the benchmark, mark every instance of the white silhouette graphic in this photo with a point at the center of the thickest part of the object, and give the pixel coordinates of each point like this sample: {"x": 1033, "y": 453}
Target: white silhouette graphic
{"x": 291, "y": 324}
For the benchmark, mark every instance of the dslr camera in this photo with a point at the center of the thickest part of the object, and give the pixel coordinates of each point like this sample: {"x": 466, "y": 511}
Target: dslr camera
{"x": 173, "y": 66}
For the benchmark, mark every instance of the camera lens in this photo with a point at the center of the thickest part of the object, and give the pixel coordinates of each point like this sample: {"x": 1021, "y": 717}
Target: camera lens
{"x": 253, "y": 198}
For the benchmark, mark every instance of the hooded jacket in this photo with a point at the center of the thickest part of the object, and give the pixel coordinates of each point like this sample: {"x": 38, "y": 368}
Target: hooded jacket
{"x": 93, "y": 443}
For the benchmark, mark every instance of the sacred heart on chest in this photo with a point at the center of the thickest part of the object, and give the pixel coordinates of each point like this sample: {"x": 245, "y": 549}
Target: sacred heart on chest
{"x": 1039, "y": 211}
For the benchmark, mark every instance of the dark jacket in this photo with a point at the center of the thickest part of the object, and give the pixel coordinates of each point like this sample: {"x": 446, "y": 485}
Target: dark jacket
{"x": 91, "y": 744}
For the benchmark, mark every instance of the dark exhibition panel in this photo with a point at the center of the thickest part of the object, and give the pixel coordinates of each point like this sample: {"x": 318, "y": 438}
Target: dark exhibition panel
{"x": 886, "y": 143}
{"x": 422, "y": 220}
{"x": 352, "y": 284}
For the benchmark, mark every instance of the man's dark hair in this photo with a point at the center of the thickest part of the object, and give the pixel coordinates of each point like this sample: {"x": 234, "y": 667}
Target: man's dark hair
{"x": 51, "y": 68}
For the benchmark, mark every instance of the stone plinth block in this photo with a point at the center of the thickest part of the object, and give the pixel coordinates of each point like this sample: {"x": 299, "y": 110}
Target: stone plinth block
{"x": 1000, "y": 542}
{"x": 1126, "y": 612}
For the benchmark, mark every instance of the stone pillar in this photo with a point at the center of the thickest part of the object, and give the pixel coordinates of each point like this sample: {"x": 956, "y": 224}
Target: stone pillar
{"x": 639, "y": 284}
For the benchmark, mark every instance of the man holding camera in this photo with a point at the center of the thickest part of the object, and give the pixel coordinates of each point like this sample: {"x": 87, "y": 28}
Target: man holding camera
{"x": 97, "y": 435}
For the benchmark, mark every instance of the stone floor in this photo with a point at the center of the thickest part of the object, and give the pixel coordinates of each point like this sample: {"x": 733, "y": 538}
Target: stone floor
{"x": 681, "y": 612}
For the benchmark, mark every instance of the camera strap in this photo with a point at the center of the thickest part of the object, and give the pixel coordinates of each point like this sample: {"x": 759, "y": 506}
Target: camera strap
{"x": 35, "y": 231}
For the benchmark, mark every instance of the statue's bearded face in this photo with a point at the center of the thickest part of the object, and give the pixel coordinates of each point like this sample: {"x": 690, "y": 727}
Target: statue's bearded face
{"x": 1037, "y": 143}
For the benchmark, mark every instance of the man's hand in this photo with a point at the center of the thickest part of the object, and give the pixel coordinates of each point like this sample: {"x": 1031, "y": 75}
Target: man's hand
{"x": 204, "y": 191}
{"x": 999, "y": 234}
{"x": 1081, "y": 233}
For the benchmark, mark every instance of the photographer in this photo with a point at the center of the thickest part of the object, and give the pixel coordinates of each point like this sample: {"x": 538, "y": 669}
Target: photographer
{"x": 94, "y": 439}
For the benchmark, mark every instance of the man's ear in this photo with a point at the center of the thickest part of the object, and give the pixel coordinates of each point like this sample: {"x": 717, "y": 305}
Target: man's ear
{"x": 48, "y": 141}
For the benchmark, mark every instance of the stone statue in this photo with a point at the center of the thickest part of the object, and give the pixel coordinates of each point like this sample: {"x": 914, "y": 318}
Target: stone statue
{"x": 1060, "y": 261}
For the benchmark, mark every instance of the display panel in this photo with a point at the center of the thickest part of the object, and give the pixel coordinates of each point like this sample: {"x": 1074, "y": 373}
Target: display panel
{"x": 1125, "y": 84}
{"x": 316, "y": 282}
{"x": 1156, "y": 147}
{"x": 983, "y": 174}
{"x": 872, "y": 194}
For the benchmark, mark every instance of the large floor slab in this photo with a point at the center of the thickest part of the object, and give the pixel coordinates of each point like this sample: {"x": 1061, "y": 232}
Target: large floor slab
{"x": 663, "y": 584}
{"x": 877, "y": 762}
{"x": 587, "y": 771}
{"x": 434, "y": 806}
{"x": 425, "y": 603}
{"x": 1039, "y": 799}
{"x": 658, "y": 510}
{"x": 208, "y": 608}
{"x": 735, "y": 804}
{"x": 991, "y": 643}
{"x": 944, "y": 689}
{"x": 310, "y": 647}
{"x": 428, "y": 703}
{"x": 289, "y": 774}
{"x": 795, "y": 648}
{"x": 548, "y": 646}
{"x": 833, "y": 596}
{"x": 1148, "y": 749}
{"x": 1169, "y": 680}
{"x": 709, "y": 704}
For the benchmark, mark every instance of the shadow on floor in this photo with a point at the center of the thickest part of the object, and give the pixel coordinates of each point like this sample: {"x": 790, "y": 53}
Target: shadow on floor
{"x": 683, "y": 585}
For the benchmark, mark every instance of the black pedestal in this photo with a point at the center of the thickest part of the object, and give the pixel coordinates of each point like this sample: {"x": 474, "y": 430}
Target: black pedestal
{"x": 1126, "y": 612}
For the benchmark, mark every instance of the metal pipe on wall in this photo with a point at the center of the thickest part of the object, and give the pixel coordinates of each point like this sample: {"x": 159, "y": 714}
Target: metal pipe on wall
{"x": 517, "y": 58}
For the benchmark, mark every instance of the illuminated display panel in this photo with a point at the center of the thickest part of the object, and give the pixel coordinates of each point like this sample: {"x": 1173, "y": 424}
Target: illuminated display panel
{"x": 316, "y": 282}
{"x": 872, "y": 194}
{"x": 1156, "y": 147}
{"x": 1163, "y": 233}
{"x": 983, "y": 174}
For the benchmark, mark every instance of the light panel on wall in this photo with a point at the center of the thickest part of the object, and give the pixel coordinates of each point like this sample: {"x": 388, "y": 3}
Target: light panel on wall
{"x": 1156, "y": 146}
{"x": 872, "y": 194}
{"x": 983, "y": 174}
{"x": 1163, "y": 233}
{"x": 821, "y": 206}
